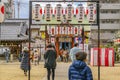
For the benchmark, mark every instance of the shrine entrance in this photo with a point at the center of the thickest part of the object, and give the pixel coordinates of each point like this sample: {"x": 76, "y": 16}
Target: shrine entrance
{"x": 65, "y": 45}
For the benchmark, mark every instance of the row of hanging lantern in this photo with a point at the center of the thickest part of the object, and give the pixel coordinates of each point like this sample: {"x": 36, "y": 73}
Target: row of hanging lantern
{"x": 64, "y": 13}
{"x": 64, "y": 30}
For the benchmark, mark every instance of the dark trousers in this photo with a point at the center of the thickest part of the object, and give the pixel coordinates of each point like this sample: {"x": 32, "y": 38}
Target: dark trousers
{"x": 49, "y": 73}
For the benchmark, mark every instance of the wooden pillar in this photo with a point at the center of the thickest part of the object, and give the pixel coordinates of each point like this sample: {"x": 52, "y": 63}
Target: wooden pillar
{"x": 72, "y": 41}
{"x": 57, "y": 45}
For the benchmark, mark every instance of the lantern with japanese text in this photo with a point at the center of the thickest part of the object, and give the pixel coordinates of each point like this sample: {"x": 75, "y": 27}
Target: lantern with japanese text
{"x": 59, "y": 12}
{"x": 48, "y": 12}
{"x": 80, "y": 13}
{"x": 69, "y": 12}
{"x": 91, "y": 12}
{"x": 37, "y": 12}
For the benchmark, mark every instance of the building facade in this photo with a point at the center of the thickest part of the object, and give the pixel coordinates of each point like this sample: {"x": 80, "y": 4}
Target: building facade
{"x": 109, "y": 21}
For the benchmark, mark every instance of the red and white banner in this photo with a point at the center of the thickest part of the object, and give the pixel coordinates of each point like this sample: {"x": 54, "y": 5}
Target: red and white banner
{"x": 106, "y": 57}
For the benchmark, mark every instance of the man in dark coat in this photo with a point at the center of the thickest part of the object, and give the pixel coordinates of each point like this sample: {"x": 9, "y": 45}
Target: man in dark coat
{"x": 79, "y": 69}
{"x": 25, "y": 61}
{"x": 50, "y": 61}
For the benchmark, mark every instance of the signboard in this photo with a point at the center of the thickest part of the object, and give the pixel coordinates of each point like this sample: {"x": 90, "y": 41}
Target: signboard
{"x": 65, "y": 39}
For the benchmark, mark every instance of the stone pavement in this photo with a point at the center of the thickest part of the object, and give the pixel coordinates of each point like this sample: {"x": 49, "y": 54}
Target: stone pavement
{"x": 61, "y": 72}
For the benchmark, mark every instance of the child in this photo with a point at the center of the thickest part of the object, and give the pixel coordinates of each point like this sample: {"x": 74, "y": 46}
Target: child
{"x": 79, "y": 69}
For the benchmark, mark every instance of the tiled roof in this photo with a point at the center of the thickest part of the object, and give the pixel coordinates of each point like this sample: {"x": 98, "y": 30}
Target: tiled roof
{"x": 11, "y": 32}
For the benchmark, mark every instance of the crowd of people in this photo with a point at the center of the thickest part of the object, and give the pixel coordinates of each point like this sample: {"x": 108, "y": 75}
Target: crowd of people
{"x": 78, "y": 70}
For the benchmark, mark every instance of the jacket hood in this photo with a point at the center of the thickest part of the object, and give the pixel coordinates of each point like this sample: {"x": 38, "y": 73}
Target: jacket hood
{"x": 79, "y": 64}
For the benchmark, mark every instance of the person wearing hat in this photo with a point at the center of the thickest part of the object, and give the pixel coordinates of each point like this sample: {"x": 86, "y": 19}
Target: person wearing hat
{"x": 25, "y": 60}
{"x": 79, "y": 69}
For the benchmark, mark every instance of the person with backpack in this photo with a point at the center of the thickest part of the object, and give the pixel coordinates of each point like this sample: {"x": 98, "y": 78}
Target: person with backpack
{"x": 79, "y": 69}
{"x": 50, "y": 61}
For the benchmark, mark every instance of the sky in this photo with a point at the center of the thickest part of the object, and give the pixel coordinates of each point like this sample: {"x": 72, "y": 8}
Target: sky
{"x": 24, "y": 7}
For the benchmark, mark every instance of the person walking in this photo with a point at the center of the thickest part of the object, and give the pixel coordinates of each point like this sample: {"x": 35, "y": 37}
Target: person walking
{"x": 73, "y": 51}
{"x": 7, "y": 55}
{"x": 25, "y": 61}
{"x": 65, "y": 55}
{"x": 79, "y": 69}
{"x": 36, "y": 57}
{"x": 61, "y": 54}
{"x": 50, "y": 61}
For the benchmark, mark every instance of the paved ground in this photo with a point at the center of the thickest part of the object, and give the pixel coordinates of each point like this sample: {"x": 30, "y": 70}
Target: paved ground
{"x": 61, "y": 71}
{"x": 11, "y": 71}
{"x": 107, "y": 73}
